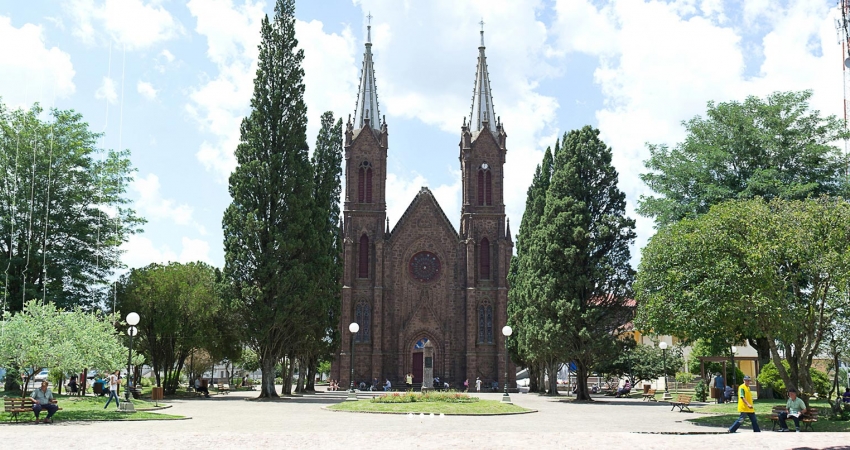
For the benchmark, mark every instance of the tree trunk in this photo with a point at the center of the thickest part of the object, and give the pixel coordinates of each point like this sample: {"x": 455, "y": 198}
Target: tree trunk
{"x": 763, "y": 348}
{"x": 267, "y": 389}
{"x": 288, "y": 374}
{"x": 581, "y": 382}
{"x": 311, "y": 380}
{"x": 299, "y": 387}
{"x": 533, "y": 381}
{"x": 541, "y": 378}
{"x": 553, "y": 378}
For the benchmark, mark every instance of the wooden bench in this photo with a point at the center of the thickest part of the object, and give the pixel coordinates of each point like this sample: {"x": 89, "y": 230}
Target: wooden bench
{"x": 810, "y": 417}
{"x": 223, "y": 388}
{"x": 649, "y": 396}
{"x": 15, "y": 406}
{"x": 682, "y": 402}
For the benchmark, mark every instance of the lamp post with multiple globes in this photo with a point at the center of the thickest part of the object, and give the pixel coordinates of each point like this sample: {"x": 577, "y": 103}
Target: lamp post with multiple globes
{"x": 132, "y": 321}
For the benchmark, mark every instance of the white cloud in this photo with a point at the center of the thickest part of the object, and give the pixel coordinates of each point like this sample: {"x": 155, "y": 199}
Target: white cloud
{"x": 146, "y": 89}
{"x": 167, "y": 55}
{"x": 220, "y": 102}
{"x": 152, "y": 206}
{"x": 29, "y": 71}
{"x": 135, "y": 24}
{"x": 107, "y": 91}
{"x": 661, "y": 64}
{"x": 140, "y": 251}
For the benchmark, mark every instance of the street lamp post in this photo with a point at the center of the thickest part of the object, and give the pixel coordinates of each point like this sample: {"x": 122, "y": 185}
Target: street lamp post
{"x": 132, "y": 321}
{"x": 353, "y": 328}
{"x": 663, "y": 347}
{"x": 629, "y": 364}
{"x": 506, "y": 331}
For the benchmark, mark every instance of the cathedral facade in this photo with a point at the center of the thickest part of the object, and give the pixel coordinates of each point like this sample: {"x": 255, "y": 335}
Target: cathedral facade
{"x": 423, "y": 283}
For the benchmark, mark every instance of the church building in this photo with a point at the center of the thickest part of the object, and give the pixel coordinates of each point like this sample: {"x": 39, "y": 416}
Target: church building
{"x": 423, "y": 286}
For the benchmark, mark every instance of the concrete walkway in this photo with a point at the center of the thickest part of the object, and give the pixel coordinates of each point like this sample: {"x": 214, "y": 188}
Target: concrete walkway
{"x": 233, "y": 421}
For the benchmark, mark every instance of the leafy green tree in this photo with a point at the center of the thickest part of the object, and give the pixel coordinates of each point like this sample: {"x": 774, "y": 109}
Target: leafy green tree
{"x": 580, "y": 277}
{"x": 771, "y": 147}
{"x": 269, "y": 231}
{"x": 770, "y": 375}
{"x": 181, "y": 310}
{"x": 775, "y": 270}
{"x": 63, "y": 210}
{"x": 41, "y": 336}
{"x": 648, "y": 362}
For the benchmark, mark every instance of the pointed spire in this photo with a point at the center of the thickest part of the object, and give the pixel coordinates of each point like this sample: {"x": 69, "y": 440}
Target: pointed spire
{"x": 367, "y": 96}
{"x": 482, "y": 98}
{"x": 508, "y": 229}
{"x": 388, "y": 226}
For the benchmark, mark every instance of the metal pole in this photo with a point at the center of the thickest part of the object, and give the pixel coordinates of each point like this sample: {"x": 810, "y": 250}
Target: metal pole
{"x": 129, "y": 362}
{"x": 506, "y": 366}
{"x": 352, "y": 364}
{"x": 664, "y": 355}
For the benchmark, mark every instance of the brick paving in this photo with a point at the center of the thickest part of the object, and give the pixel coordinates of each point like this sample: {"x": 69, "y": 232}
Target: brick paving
{"x": 231, "y": 421}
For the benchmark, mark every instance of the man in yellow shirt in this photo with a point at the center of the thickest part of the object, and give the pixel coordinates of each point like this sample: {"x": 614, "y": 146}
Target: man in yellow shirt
{"x": 745, "y": 407}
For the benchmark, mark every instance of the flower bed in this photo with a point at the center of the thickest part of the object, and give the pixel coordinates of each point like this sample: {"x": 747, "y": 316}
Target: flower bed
{"x": 428, "y": 397}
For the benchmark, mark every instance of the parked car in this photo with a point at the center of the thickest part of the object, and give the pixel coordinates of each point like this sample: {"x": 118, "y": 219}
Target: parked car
{"x": 41, "y": 376}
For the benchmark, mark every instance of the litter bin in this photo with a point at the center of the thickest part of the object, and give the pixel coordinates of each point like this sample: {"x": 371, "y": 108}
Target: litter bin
{"x": 156, "y": 393}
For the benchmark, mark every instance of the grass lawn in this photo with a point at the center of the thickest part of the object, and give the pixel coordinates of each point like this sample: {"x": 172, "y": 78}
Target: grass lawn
{"x": 482, "y": 407}
{"x": 724, "y": 415}
{"x": 91, "y": 408}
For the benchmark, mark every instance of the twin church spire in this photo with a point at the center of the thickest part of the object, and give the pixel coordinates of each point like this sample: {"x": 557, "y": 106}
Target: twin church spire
{"x": 482, "y": 113}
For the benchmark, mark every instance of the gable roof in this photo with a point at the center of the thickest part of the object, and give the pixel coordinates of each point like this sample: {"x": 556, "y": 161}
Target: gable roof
{"x": 424, "y": 194}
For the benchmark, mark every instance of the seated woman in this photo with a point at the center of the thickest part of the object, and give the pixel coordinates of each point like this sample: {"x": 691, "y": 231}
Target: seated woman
{"x": 72, "y": 384}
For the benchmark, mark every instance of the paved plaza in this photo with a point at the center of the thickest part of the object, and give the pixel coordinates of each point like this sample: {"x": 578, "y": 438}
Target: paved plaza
{"x": 231, "y": 421}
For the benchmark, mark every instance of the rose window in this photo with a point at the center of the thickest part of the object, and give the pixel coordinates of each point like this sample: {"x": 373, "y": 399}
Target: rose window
{"x": 424, "y": 266}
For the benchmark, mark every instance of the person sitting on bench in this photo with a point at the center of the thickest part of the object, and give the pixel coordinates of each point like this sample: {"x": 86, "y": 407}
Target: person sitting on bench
{"x": 846, "y": 397}
{"x": 72, "y": 384}
{"x": 202, "y": 387}
{"x": 727, "y": 394}
{"x": 42, "y": 398}
{"x": 627, "y": 387}
{"x": 388, "y": 386}
{"x": 796, "y": 408}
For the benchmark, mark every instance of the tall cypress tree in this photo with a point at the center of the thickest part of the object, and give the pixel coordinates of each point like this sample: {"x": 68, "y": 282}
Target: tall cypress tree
{"x": 523, "y": 344}
{"x": 268, "y": 234}
{"x": 579, "y": 273}
{"x": 323, "y": 335}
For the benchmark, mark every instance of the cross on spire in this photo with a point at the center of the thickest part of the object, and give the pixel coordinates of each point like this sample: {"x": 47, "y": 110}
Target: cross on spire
{"x": 369, "y": 17}
{"x": 482, "y": 31}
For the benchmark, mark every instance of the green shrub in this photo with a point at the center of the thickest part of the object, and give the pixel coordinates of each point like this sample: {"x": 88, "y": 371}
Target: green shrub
{"x": 411, "y": 397}
{"x": 146, "y": 382}
{"x": 701, "y": 391}
{"x": 770, "y": 376}
{"x": 684, "y": 377}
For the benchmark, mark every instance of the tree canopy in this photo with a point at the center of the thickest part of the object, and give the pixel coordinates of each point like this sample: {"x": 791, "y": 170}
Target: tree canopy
{"x": 777, "y": 270}
{"x": 63, "y": 209}
{"x": 771, "y": 147}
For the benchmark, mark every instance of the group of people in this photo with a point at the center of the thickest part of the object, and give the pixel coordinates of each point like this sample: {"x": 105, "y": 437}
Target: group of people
{"x": 43, "y": 399}
{"x": 722, "y": 392}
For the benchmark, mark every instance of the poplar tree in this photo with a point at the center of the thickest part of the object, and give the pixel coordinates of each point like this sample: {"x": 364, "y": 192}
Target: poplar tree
{"x": 579, "y": 278}
{"x": 268, "y": 233}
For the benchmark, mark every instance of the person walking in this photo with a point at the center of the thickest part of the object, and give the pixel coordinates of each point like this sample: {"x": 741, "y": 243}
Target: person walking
{"x": 113, "y": 389}
{"x": 745, "y": 407}
{"x": 466, "y": 385}
{"x": 408, "y": 381}
{"x": 477, "y": 384}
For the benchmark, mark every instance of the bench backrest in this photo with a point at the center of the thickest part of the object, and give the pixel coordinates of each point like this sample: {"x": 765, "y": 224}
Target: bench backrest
{"x": 684, "y": 398}
{"x": 778, "y": 409}
{"x": 225, "y": 386}
{"x": 650, "y": 392}
{"x": 811, "y": 413}
{"x": 10, "y": 403}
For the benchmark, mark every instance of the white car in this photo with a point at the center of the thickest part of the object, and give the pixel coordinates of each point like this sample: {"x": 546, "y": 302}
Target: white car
{"x": 41, "y": 376}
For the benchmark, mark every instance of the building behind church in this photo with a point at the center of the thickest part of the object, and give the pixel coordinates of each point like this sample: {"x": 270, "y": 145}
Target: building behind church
{"x": 424, "y": 283}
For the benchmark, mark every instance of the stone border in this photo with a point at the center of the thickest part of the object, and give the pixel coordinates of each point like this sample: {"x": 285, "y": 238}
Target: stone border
{"x": 528, "y": 411}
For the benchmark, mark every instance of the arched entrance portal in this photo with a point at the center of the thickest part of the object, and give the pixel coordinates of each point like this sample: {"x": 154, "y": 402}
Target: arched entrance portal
{"x": 418, "y": 367}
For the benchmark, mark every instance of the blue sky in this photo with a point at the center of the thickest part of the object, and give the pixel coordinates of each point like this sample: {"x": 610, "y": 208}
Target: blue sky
{"x": 171, "y": 80}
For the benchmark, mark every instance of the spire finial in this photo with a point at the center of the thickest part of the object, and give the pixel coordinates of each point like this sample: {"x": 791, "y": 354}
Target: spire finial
{"x": 369, "y": 27}
{"x": 482, "y": 31}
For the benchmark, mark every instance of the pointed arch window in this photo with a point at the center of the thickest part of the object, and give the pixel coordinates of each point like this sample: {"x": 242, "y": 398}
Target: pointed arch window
{"x": 484, "y": 259}
{"x": 363, "y": 262}
{"x": 364, "y": 182}
{"x": 363, "y": 317}
{"x": 485, "y": 185}
{"x": 485, "y": 323}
